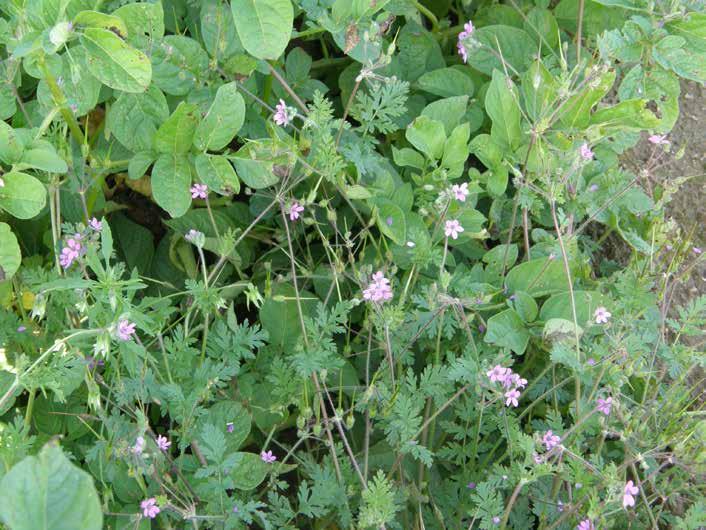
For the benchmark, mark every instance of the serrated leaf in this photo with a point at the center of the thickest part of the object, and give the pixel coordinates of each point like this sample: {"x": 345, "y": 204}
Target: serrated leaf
{"x": 222, "y": 121}
{"x": 171, "y": 179}
{"x": 115, "y": 63}
{"x": 47, "y": 492}
{"x": 264, "y": 26}
{"x": 22, "y": 196}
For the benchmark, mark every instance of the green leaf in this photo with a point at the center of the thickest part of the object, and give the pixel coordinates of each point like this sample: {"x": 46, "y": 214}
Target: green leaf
{"x": 22, "y": 196}
{"x": 537, "y": 277}
{"x": 176, "y": 134}
{"x": 133, "y": 118}
{"x": 216, "y": 172}
{"x": 10, "y": 255}
{"x": 47, "y": 492}
{"x": 507, "y": 330}
{"x": 218, "y": 31}
{"x": 559, "y": 306}
{"x": 137, "y": 167}
{"x": 179, "y": 63}
{"x": 264, "y": 26}
{"x": 693, "y": 29}
{"x": 136, "y": 242}
{"x": 446, "y": 82}
{"x": 11, "y": 144}
{"x": 576, "y": 111}
{"x": 449, "y": 111}
{"x": 631, "y": 114}
{"x": 249, "y": 471}
{"x": 223, "y": 413}
{"x": 456, "y": 149}
{"x": 427, "y": 135}
{"x": 81, "y": 88}
{"x": 171, "y": 180}
{"x": 95, "y": 19}
{"x": 657, "y": 85}
{"x": 539, "y": 90}
{"x": 670, "y": 53}
{"x": 541, "y": 25}
{"x": 391, "y": 220}
{"x": 408, "y": 157}
{"x": 514, "y": 45}
{"x": 144, "y": 21}
{"x": 256, "y": 174}
{"x": 222, "y": 121}
{"x": 502, "y": 105}
{"x": 487, "y": 150}
{"x": 525, "y": 306}
{"x": 41, "y": 154}
{"x": 280, "y": 318}
{"x": 115, "y": 63}
{"x": 559, "y": 329}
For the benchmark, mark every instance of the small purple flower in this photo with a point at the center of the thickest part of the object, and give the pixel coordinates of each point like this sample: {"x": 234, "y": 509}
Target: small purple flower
{"x": 126, "y": 330}
{"x": 267, "y": 457}
{"x": 593, "y": 187}
{"x": 93, "y": 363}
{"x": 194, "y": 236}
{"x": 591, "y": 361}
{"x": 550, "y": 440}
{"x": 537, "y": 458}
{"x": 659, "y": 139}
{"x": 602, "y": 315}
{"x": 379, "y": 289}
{"x": 498, "y": 373}
{"x": 230, "y": 427}
{"x": 71, "y": 251}
{"x": 467, "y": 30}
{"x": 628, "y": 494}
{"x": 453, "y": 228}
{"x": 586, "y": 152}
{"x": 21, "y": 329}
{"x": 388, "y": 221}
{"x": 149, "y": 508}
{"x": 696, "y": 250}
{"x": 496, "y": 520}
{"x": 199, "y": 191}
{"x": 235, "y": 509}
{"x": 163, "y": 443}
{"x": 139, "y": 445}
{"x": 283, "y": 114}
{"x": 511, "y": 397}
{"x": 295, "y": 211}
{"x": 471, "y": 485}
{"x": 604, "y": 405}
{"x": 586, "y": 524}
{"x": 95, "y": 225}
{"x": 560, "y": 507}
{"x": 460, "y": 192}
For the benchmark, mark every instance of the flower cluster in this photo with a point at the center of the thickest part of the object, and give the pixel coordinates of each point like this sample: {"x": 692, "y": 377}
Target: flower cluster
{"x": 550, "y": 440}
{"x": 199, "y": 191}
{"x": 629, "y": 493}
{"x": 95, "y": 225}
{"x": 71, "y": 251}
{"x": 604, "y": 405}
{"x": 510, "y": 381}
{"x": 379, "y": 289}
{"x": 125, "y": 330}
{"x": 163, "y": 443}
{"x": 283, "y": 114}
{"x": 467, "y": 30}
{"x": 149, "y": 508}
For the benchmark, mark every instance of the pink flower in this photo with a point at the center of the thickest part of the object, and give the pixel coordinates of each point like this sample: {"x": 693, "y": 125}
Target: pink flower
{"x": 602, "y": 315}
{"x": 71, "y": 251}
{"x": 511, "y": 397}
{"x": 604, "y": 405}
{"x": 659, "y": 139}
{"x": 628, "y": 492}
{"x": 163, "y": 443}
{"x": 149, "y": 508}
{"x": 460, "y": 192}
{"x": 295, "y": 210}
{"x": 126, "y": 330}
{"x": 194, "y": 236}
{"x": 139, "y": 445}
{"x": 379, "y": 288}
{"x": 697, "y": 250}
{"x": 199, "y": 191}
{"x": 267, "y": 457}
{"x": 453, "y": 228}
{"x": 283, "y": 114}
{"x": 537, "y": 458}
{"x": 230, "y": 427}
{"x": 95, "y": 225}
{"x": 550, "y": 440}
{"x": 496, "y": 520}
{"x": 586, "y": 152}
{"x": 586, "y": 524}
{"x": 516, "y": 381}
{"x": 498, "y": 373}
{"x": 467, "y": 30}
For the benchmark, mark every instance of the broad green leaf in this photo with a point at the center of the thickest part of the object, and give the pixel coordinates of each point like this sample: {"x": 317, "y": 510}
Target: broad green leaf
{"x": 507, "y": 330}
{"x": 279, "y": 315}
{"x": 419, "y": 51}
{"x": 223, "y": 413}
{"x": 222, "y": 121}
{"x": 217, "y": 173}
{"x": 525, "y": 306}
{"x": 670, "y": 53}
{"x": 22, "y": 196}
{"x": 171, "y": 180}
{"x": 449, "y": 111}
{"x": 391, "y": 220}
{"x": 48, "y": 492}
{"x": 446, "y": 82}
{"x": 115, "y": 63}
{"x": 537, "y": 277}
{"x": 256, "y": 174}
{"x": 200, "y": 219}
{"x": 41, "y": 154}
{"x": 502, "y": 105}
{"x": 10, "y": 256}
{"x": 427, "y": 135}
{"x": 95, "y": 19}
{"x": 264, "y": 26}
{"x": 559, "y": 306}
{"x": 657, "y": 85}
{"x": 596, "y": 18}
{"x": 249, "y": 471}
{"x": 514, "y": 45}
{"x": 134, "y": 118}
{"x": 456, "y": 149}
{"x": 11, "y": 144}
{"x": 497, "y": 180}
{"x": 135, "y": 241}
{"x": 139, "y": 163}
{"x": 629, "y": 114}
{"x": 218, "y": 31}
{"x": 559, "y": 329}
{"x": 179, "y": 63}
{"x": 144, "y": 21}
{"x": 539, "y": 91}
{"x": 487, "y": 150}
{"x": 79, "y": 86}
{"x": 576, "y": 111}
{"x": 407, "y": 157}
{"x": 541, "y": 25}
{"x": 176, "y": 134}
{"x": 693, "y": 29}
